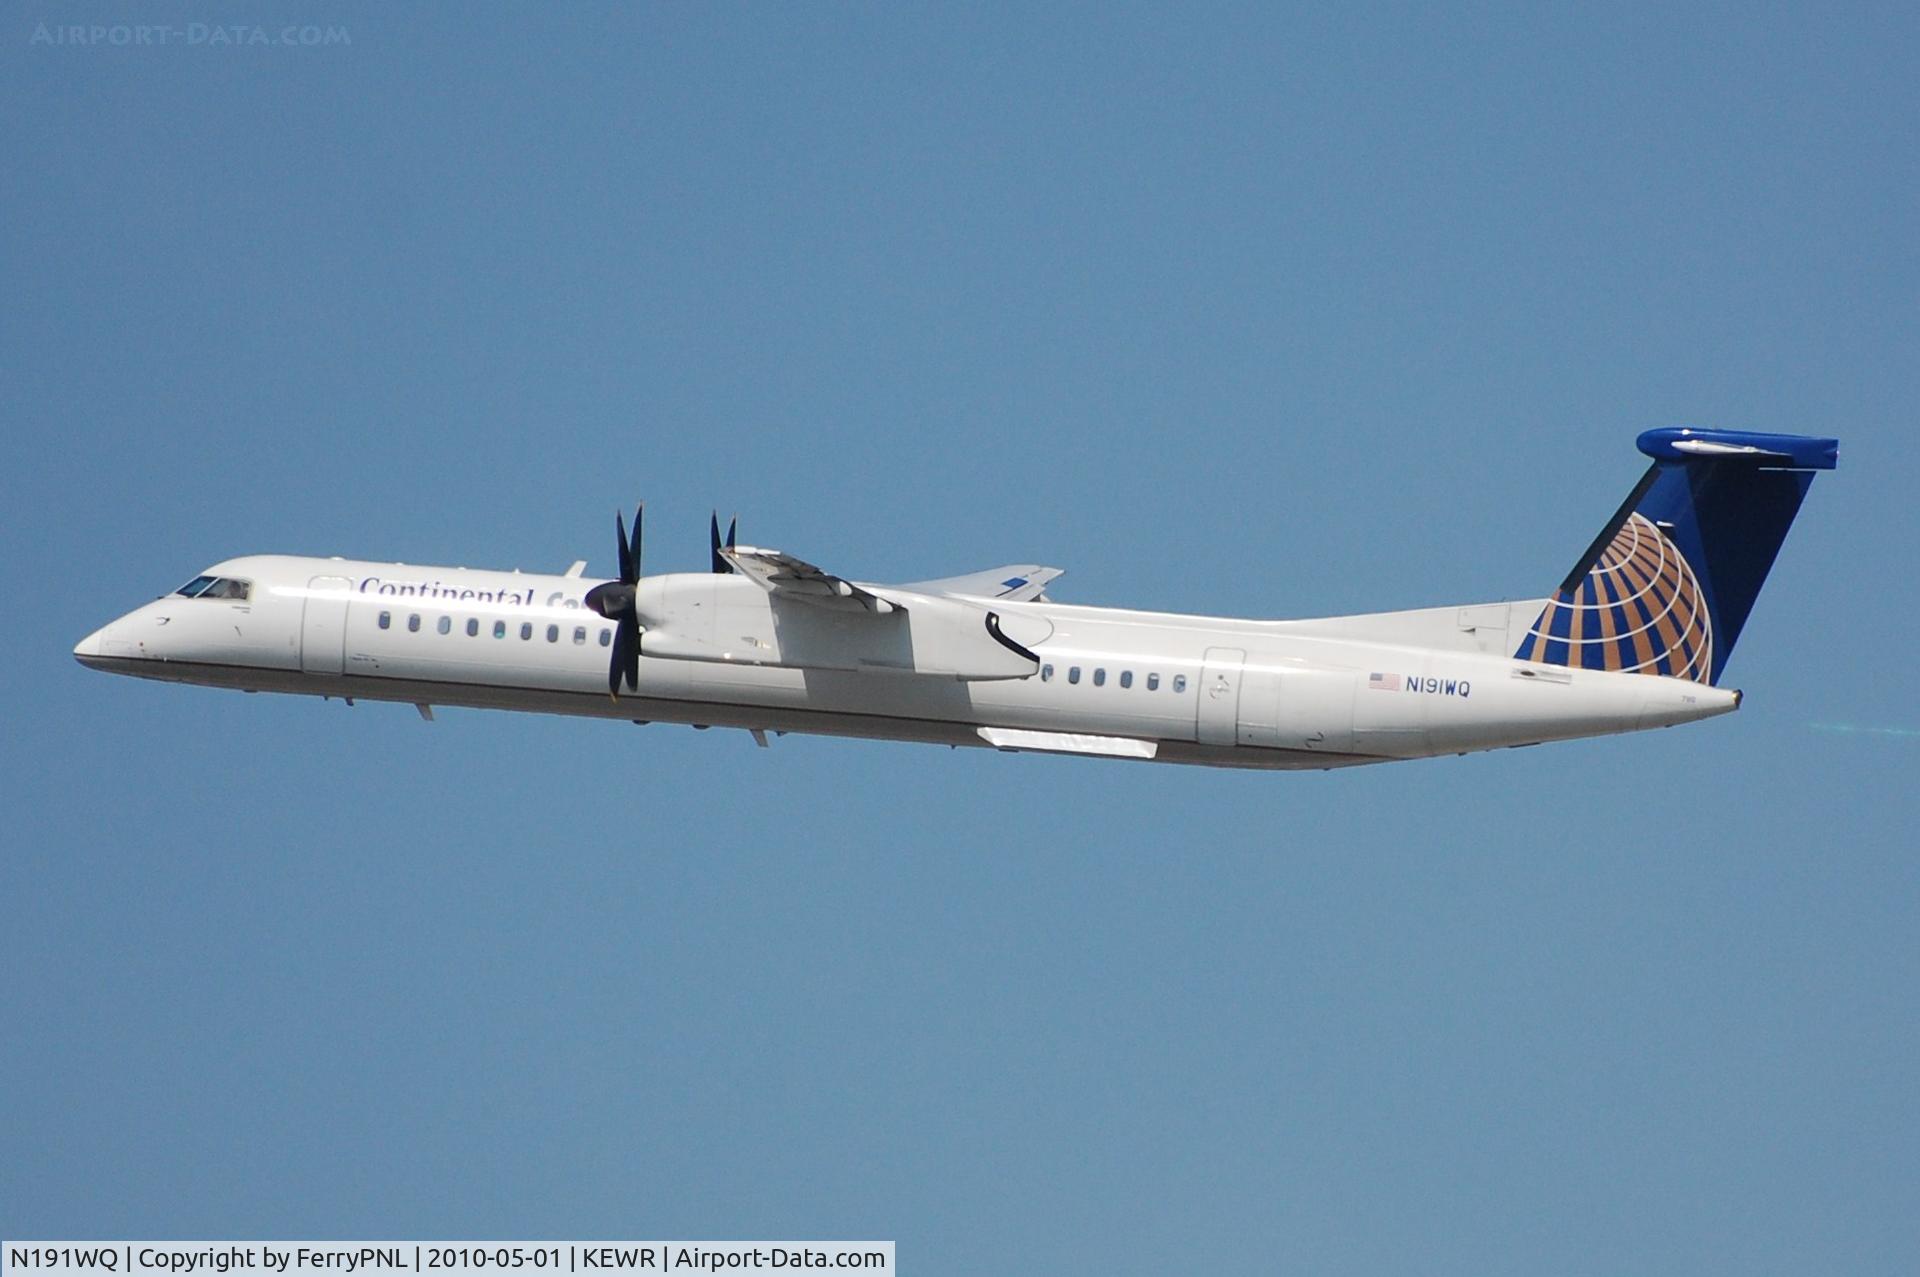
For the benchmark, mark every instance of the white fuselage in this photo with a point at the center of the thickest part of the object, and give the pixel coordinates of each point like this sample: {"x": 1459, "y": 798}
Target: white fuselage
{"x": 1190, "y": 689}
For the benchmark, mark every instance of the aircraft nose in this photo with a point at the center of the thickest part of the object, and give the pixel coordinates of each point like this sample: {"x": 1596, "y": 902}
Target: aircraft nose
{"x": 89, "y": 650}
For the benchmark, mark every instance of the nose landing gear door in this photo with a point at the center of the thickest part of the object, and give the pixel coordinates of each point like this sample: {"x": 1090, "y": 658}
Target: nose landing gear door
{"x": 323, "y": 625}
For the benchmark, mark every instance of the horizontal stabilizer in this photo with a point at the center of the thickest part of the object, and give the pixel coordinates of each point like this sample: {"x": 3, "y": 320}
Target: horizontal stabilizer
{"x": 1796, "y": 452}
{"x": 1020, "y": 582}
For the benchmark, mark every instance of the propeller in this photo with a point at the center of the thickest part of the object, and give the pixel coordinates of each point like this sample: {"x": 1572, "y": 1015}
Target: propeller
{"x": 720, "y": 564}
{"x": 615, "y": 601}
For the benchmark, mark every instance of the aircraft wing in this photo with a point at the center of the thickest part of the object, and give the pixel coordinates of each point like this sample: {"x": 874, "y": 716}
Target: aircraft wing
{"x": 811, "y": 619}
{"x": 1020, "y": 582}
{"x": 783, "y": 576}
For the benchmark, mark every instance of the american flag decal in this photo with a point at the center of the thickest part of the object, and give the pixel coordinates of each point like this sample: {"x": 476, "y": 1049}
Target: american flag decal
{"x": 1384, "y": 682}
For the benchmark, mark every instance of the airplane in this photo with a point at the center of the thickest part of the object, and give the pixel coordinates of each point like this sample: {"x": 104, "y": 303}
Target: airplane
{"x": 1636, "y": 636}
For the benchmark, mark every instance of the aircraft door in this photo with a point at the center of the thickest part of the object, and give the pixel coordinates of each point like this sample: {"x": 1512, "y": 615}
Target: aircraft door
{"x": 323, "y": 625}
{"x": 1217, "y": 720}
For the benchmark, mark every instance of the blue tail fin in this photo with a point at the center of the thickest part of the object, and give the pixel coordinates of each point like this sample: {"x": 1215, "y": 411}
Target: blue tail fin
{"x": 1667, "y": 585}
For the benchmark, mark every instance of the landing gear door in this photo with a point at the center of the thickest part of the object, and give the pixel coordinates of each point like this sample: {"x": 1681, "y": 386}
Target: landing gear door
{"x": 1217, "y": 720}
{"x": 323, "y": 625}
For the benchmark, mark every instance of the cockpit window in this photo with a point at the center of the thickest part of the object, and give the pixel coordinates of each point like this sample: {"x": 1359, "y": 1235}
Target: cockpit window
{"x": 216, "y": 587}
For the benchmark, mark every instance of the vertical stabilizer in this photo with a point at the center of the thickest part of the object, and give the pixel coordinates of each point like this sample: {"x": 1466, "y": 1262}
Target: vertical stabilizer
{"x": 1668, "y": 584}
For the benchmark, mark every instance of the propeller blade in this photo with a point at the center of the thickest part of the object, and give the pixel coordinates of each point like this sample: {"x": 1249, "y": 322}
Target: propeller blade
{"x": 639, "y": 512}
{"x": 720, "y": 564}
{"x": 625, "y": 554}
{"x": 614, "y": 600}
{"x": 617, "y": 666}
{"x": 625, "y": 665}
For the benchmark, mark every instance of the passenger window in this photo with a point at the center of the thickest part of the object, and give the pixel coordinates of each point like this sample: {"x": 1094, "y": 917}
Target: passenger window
{"x": 473, "y": 627}
{"x": 1046, "y": 673}
{"x": 499, "y": 629}
{"x": 1153, "y": 682}
{"x": 1126, "y": 678}
{"x": 446, "y": 625}
{"x": 1073, "y": 674}
{"x": 526, "y": 630}
{"x": 1179, "y": 682}
{"x": 1100, "y": 678}
{"x": 579, "y": 634}
{"x": 553, "y": 634}
{"x": 606, "y": 637}
{"x": 386, "y": 620}
{"x": 413, "y": 623}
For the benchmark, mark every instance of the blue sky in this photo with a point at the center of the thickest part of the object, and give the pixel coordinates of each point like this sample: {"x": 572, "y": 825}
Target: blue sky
{"x": 1242, "y": 310}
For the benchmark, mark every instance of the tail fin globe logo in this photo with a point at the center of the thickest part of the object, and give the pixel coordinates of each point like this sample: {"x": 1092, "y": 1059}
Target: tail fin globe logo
{"x": 1639, "y": 610}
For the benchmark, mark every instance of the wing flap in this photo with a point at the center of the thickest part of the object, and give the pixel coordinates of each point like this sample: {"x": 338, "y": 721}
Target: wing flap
{"x": 781, "y": 574}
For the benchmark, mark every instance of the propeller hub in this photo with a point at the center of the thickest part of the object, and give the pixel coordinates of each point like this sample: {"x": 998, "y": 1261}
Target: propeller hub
{"x": 612, "y": 600}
